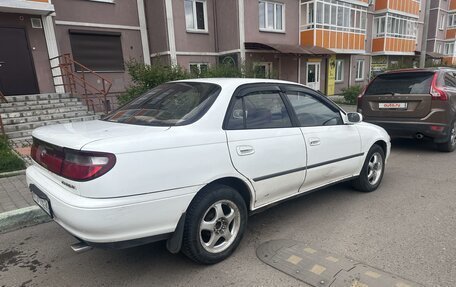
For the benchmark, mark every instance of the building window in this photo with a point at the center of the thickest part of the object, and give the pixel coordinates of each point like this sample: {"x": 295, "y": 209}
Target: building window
{"x": 262, "y": 70}
{"x": 196, "y": 15}
{"x": 395, "y": 26}
{"x": 441, "y": 21}
{"x": 198, "y": 68}
{"x": 339, "y": 70}
{"x": 99, "y": 51}
{"x": 379, "y": 27}
{"x": 449, "y": 49}
{"x": 359, "y": 70}
{"x": 271, "y": 16}
{"x": 451, "y": 20}
{"x": 333, "y": 15}
{"x": 438, "y": 48}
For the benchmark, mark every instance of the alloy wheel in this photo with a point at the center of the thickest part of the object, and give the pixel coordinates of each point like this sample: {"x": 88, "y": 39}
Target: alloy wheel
{"x": 219, "y": 226}
{"x": 374, "y": 168}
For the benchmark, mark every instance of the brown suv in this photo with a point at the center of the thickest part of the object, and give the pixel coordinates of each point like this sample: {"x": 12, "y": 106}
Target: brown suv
{"x": 414, "y": 103}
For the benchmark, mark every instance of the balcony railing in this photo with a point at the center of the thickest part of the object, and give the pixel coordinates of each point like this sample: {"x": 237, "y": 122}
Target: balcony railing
{"x": 76, "y": 76}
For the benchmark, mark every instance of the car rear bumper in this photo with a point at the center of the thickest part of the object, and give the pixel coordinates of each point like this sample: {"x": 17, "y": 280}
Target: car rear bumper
{"x": 399, "y": 129}
{"x": 110, "y": 220}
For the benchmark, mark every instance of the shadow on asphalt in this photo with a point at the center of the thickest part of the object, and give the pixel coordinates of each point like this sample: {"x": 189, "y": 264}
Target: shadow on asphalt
{"x": 412, "y": 145}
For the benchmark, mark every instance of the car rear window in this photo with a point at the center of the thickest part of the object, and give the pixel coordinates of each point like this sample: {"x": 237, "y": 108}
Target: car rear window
{"x": 401, "y": 83}
{"x": 171, "y": 104}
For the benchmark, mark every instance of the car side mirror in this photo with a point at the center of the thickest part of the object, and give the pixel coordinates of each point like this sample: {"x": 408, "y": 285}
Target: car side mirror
{"x": 354, "y": 118}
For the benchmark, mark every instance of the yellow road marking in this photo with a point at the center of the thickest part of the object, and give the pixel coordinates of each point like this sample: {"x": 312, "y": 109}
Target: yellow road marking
{"x": 372, "y": 274}
{"x": 332, "y": 259}
{"x": 310, "y": 250}
{"x": 356, "y": 283}
{"x": 294, "y": 259}
{"x": 317, "y": 269}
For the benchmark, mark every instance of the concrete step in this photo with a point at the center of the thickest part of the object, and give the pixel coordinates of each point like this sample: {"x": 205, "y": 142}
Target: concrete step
{"x": 21, "y": 130}
{"x": 34, "y": 113}
{"x": 35, "y": 106}
{"x": 37, "y": 97}
{"x": 38, "y": 102}
{"x": 49, "y": 117}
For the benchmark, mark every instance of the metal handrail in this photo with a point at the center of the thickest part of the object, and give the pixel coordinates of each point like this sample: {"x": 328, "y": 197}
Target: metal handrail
{"x": 2, "y": 99}
{"x": 74, "y": 75}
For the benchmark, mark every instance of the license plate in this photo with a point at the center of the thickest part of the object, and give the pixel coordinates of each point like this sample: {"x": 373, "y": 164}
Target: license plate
{"x": 44, "y": 203}
{"x": 392, "y": 105}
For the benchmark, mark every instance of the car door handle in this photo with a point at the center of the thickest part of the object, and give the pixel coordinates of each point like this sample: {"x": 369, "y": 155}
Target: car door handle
{"x": 314, "y": 141}
{"x": 245, "y": 150}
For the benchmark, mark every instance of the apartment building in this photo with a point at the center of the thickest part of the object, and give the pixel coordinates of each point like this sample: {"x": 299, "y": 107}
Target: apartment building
{"x": 99, "y": 34}
{"x": 441, "y": 35}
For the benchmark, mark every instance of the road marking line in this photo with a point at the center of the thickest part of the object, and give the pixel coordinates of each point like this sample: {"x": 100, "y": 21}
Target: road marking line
{"x": 310, "y": 250}
{"x": 294, "y": 259}
{"x": 400, "y": 284}
{"x": 372, "y": 274}
{"x": 332, "y": 259}
{"x": 317, "y": 269}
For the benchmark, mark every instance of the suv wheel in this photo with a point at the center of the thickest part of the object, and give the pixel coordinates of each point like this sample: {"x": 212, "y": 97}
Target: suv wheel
{"x": 450, "y": 145}
{"x": 215, "y": 223}
{"x": 372, "y": 173}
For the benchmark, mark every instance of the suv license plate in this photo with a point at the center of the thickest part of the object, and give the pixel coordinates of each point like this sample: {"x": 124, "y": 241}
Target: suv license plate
{"x": 44, "y": 203}
{"x": 392, "y": 105}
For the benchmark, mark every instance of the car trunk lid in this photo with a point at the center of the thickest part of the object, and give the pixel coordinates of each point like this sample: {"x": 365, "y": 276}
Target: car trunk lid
{"x": 399, "y": 95}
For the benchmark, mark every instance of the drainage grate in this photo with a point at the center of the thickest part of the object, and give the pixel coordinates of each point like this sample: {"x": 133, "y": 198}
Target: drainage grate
{"x": 323, "y": 269}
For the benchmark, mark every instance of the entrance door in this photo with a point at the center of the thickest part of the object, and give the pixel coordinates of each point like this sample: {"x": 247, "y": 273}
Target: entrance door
{"x": 313, "y": 76}
{"x": 17, "y": 72}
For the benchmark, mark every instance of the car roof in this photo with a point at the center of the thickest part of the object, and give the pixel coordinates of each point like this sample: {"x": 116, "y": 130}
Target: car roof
{"x": 412, "y": 70}
{"x": 224, "y": 82}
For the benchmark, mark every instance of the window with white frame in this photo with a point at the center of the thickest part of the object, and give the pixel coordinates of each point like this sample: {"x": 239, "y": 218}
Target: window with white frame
{"x": 271, "y": 16}
{"x": 339, "y": 70}
{"x": 196, "y": 15}
{"x": 262, "y": 70}
{"x": 359, "y": 70}
{"x": 198, "y": 68}
{"x": 441, "y": 21}
{"x": 451, "y": 20}
{"x": 438, "y": 48}
{"x": 449, "y": 49}
{"x": 395, "y": 26}
{"x": 333, "y": 15}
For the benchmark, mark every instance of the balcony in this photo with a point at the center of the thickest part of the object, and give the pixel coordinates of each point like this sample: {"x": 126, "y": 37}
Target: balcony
{"x": 410, "y": 7}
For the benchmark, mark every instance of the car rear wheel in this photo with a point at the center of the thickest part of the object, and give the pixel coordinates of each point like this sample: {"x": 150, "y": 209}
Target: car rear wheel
{"x": 215, "y": 223}
{"x": 450, "y": 145}
{"x": 372, "y": 173}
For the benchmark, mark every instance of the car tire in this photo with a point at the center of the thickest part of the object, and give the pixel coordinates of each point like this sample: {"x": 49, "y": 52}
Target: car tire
{"x": 450, "y": 145}
{"x": 215, "y": 223}
{"x": 372, "y": 172}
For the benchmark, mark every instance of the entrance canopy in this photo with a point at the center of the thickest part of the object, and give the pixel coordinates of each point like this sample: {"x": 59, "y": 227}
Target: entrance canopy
{"x": 288, "y": 49}
{"x": 26, "y": 7}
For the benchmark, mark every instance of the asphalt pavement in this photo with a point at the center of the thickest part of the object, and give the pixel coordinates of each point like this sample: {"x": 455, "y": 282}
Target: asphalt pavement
{"x": 407, "y": 227}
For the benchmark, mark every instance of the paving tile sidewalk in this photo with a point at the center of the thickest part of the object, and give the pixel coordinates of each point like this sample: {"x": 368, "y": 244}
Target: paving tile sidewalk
{"x": 14, "y": 193}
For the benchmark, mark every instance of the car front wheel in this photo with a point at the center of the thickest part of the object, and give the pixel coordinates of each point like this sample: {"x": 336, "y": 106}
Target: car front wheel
{"x": 372, "y": 172}
{"x": 215, "y": 223}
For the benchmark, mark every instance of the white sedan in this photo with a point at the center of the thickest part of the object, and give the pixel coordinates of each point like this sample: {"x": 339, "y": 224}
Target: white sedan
{"x": 188, "y": 161}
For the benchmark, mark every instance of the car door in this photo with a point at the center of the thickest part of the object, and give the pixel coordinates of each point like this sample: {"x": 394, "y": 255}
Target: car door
{"x": 333, "y": 148}
{"x": 264, "y": 145}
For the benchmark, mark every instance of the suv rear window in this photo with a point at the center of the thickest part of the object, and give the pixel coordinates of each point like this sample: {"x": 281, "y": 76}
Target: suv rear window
{"x": 172, "y": 104}
{"x": 401, "y": 83}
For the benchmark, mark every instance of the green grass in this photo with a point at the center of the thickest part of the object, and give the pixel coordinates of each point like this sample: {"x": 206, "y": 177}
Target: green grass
{"x": 9, "y": 161}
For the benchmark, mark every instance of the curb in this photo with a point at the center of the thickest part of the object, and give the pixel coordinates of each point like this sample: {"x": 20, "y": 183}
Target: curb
{"x": 12, "y": 173}
{"x": 20, "y": 218}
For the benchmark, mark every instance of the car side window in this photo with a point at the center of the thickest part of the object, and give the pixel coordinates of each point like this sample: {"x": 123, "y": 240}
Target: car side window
{"x": 311, "y": 112}
{"x": 259, "y": 110}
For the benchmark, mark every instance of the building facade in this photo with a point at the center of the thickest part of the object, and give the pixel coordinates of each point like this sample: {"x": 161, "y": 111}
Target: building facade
{"x": 325, "y": 44}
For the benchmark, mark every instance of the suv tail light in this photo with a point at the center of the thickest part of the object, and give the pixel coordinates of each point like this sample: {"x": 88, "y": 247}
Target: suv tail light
{"x": 360, "y": 99}
{"x": 437, "y": 92}
{"x": 72, "y": 164}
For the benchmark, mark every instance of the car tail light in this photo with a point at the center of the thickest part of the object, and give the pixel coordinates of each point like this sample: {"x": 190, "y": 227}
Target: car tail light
{"x": 83, "y": 166}
{"x": 72, "y": 164}
{"x": 437, "y": 92}
{"x": 360, "y": 99}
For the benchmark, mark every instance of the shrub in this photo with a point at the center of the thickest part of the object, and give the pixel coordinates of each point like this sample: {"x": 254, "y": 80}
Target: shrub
{"x": 8, "y": 160}
{"x": 351, "y": 93}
